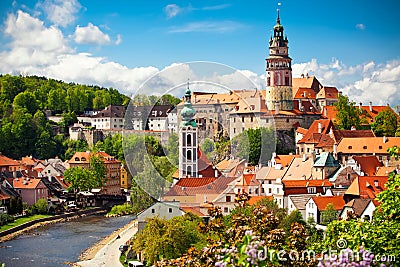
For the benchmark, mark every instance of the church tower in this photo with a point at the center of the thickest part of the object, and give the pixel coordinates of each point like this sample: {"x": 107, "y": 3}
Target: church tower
{"x": 279, "y": 71}
{"x": 188, "y": 161}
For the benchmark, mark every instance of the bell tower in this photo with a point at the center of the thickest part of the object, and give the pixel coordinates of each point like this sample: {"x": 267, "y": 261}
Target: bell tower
{"x": 279, "y": 71}
{"x": 188, "y": 160}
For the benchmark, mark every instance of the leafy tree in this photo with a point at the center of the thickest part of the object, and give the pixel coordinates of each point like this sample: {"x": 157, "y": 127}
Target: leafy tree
{"x": 11, "y": 86}
{"x": 26, "y": 100}
{"x": 97, "y": 169}
{"x": 173, "y": 149}
{"x": 348, "y": 114}
{"x": 385, "y": 123}
{"x": 208, "y": 147}
{"x": 80, "y": 179}
{"x": 256, "y": 145}
{"x": 56, "y": 99}
{"x": 42, "y": 206}
{"x": 329, "y": 214}
{"x": 294, "y": 217}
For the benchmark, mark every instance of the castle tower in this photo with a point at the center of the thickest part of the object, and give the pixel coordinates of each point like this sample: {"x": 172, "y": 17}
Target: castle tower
{"x": 279, "y": 71}
{"x": 188, "y": 161}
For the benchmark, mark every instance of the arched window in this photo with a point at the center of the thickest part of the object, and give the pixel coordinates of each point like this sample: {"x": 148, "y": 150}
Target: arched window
{"x": 278, "y": 79}
{"x": 268, "y": 81}
{"x": 189, "y": 154}
{"x": 189, "y": 170}
{"x": 189, "y": 140}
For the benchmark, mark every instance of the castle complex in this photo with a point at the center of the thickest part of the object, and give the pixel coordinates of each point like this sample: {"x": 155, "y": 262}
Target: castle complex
{"x": 285, "y": 104}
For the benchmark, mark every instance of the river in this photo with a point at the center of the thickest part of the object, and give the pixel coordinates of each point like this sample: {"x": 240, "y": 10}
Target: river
{"x": 58, "y": 244}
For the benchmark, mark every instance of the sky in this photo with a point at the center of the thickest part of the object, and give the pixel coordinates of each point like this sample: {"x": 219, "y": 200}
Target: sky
{"x": 353, "y": 45}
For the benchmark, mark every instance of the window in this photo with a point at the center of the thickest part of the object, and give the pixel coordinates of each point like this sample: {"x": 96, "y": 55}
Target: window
{"x": 287, "y": 120}
{"x": 189, "y": 140}
{"x": 226, "y": 210}
{"x": 242, "y": 118}
{"x": 364, "y": 147}
{"x": 311, "y": 190}
{"x": 189, "y": 155}
{"x": 251, "y": 119}
{"x": 234, "y": 130}
{"x": 228, "y": 199}
{"x": 170, "y": 210}
{"x": 153, "y": 211}
{"x": 189, "y": 170}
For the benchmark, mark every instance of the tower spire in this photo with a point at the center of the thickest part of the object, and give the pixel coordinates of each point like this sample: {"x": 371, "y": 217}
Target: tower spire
{"x": 278, "y": 19}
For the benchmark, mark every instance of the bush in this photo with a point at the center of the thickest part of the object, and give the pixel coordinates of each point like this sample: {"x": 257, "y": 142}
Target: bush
{"x": 5, "y": 219}
{"x": 119, "y": 210}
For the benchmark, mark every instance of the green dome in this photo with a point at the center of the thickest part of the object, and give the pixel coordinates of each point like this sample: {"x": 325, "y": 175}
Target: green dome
{"x": 188, "y": 112}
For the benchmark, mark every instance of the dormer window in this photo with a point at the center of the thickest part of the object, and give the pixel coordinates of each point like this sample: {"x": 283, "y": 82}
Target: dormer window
{"x": 380, "y": 147}
{"x": 364, "y": 147}
{"x": 77, "y": 159}
{"x": 350, "y": 147}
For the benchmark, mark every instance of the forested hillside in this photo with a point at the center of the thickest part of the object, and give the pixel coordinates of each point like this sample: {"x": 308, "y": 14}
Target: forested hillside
{"x": 24, "y": 127}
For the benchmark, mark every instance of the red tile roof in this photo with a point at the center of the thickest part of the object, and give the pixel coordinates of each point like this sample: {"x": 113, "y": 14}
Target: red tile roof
{"x": 194, "y": 210}
{"x": 312, "y": 135}
{"x": 195, "y": 182}
{"x": 6, "y": 161}
{"x": 328, "y": 92}
{"x": 367, "y": 186}
{"x": 205, "y": 167}
{"x": 255, "y": 199}
{"x": 84, "y": 157}
{"x": 306, "y": 183}
{"x": 284, "y": 160}
{"x": 367, "y": 145}
{"x": 26, "y": 183}
{"x": 368, "y": 164}
{"x": 323, "y": 201}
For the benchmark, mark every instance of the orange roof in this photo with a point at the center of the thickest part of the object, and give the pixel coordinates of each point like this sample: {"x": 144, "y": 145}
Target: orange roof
{"x": 305, "y": 82}
{"x": 370, "y": 111}
{"x": 26, "y": 183}
{"x": 6, "y": 161}
{"x": 323, "y": 201}
{"x": 325, "y": 141}
{"x": 328, "y": 92}
{"x": 84, "y": 157}
{"x": 305, "y": 93}
{"x": 195, "y": 182}
{"x": 255, "y": 199}
{"x": 301, "y": 130}
{"x": 368, "y": 164}
{"x": 3, "y": 196}
{"x": 284, "y": 160}
{"x": 367, "y": 186}
{"x": 193, "y": 210}
{"x": 384, "y": 171}
{"x": 30, "y": 161}
{"x": 205, "y": 167}
{"x": 313, "y": 135}
{"x": 306, "y": 183}
{"x": 364, "y": 145}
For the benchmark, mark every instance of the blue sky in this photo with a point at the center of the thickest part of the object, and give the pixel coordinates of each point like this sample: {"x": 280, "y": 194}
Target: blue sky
{"x": 353, "y": 45}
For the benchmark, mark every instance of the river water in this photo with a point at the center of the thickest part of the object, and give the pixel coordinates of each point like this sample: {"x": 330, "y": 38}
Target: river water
{"x": 58, "y": 244}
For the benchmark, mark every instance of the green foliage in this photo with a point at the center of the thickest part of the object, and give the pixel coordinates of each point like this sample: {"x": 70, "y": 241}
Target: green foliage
{"x": 82, "y": 179}
{"x": 144, "y": 100}
{"x": 208, "y": 147}
{"x": 42, "y": 206}
{"x": 123, "y": 209}
{"x": 385, "y": 123}
{"x": 255, "y": 145}
{"x": 5, "y": 219}
{"x": 294, "y": 217}
{"x": 15, "y": 206}
{"x": 97, "y": 170}
{"x": 348, "y": 114}
{"x": 328, "y": 215}
{"x": 173, "y": 149}
{"x": 167, "y": 239}
{"x": 112, "y": 145}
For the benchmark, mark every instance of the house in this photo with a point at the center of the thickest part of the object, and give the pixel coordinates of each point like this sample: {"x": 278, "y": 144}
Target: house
{"x": 164, "y": 209}
{"x": 366, "y": 146}
{"x": 364, "y": 165}
{"x": 360, "y": 207}
{"x": 112, "y": 185}
{"x": 369, "y": 112}
{"x": 30, "y": 189}
{"x": 301, "y": 187}
{"x": 298, "y": 202}
{"x": 232, "y": 167}
{"x": 8, "y": 165}
{"x": 307, "y": 144}
{"x": 126, "y": 178}
{"x": 324, "y": 166}
{"x": 110, "y": 118}
{"x": 365, "y": 187}
{"x": 317, "y": 204}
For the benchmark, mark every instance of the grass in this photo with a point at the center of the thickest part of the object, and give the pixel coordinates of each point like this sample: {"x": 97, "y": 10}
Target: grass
{"x": 22, "y": 220}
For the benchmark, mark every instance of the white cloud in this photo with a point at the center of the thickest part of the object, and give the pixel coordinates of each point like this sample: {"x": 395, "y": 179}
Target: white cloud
{"x": 172, "y": 10}
{"x": 61, "y": 12}
{"x": 360, "y": 26}
{"x": 208, "y": 26}
{"x": 90, "y": 34}
{"x": 119, "y": 39}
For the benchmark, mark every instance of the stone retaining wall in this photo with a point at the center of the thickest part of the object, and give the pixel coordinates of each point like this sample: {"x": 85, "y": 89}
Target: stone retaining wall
{"x": 52, "y": 218}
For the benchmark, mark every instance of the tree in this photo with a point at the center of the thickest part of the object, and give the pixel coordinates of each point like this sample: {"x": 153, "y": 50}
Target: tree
{"x": 348, "y": 114}
{"x": 42, "y": 206}
{"x": 80, "y": 179}
{"x": 26, "y": 100}
{"x": 385, "y": 123}
{"x": 208, "y": 147}
{"x": 329, "y": 214}
{"x": 97, "y": 170}
{"x": 173, "y": 149}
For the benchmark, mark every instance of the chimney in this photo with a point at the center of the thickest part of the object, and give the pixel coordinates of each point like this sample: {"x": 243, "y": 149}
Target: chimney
{"x": 302, "y": 75}
{"x": 385, "y": 139}
{"x": 370, "y": 106}
{"x": 307, "y": 75}
{"x": 353, "y": 128}
{"x": 319, "y": 127}
{"x": 376, "y": 183}
{"x": 360, "y": 106}
{"x": 325, "y": 112}
{"x": 304, "y": 157}
{"x": 216, "y": 173}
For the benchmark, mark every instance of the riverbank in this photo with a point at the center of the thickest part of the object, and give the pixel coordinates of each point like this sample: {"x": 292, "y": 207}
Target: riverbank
{"x": 23, "y": 228}
{"x": 108, "y": 246}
